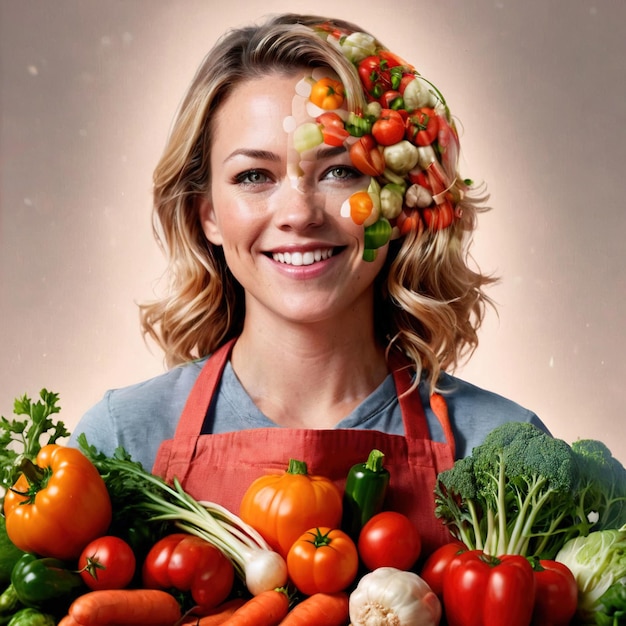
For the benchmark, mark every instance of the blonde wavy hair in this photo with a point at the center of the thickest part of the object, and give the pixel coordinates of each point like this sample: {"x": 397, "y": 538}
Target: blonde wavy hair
{"x": 429, "y": 301}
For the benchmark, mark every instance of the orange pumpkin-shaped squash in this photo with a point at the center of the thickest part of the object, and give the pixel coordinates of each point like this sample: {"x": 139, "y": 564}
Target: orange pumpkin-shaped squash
{"x": 283, "y": 506}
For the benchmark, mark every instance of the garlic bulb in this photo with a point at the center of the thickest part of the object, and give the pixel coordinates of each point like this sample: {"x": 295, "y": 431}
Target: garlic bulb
{"x": 392, "y": 597}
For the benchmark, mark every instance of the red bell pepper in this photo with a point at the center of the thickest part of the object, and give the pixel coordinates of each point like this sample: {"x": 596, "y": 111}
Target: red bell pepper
{"x": 481, "y": 590}
{"x": 556, "y": 594}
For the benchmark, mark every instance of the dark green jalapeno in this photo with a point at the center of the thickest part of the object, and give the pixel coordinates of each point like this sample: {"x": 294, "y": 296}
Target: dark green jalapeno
{"x": 41, "y": 582}
{"x": 364, "y": 494}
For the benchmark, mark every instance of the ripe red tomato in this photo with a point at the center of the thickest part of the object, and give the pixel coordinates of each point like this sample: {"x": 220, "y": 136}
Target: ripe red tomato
{"x": 189, "y": 563}
{"x": 389, "y": 539}
{"x": 388, "y": 128}
{"x": 322, "y": 560}
{"x": 107, "y": 563}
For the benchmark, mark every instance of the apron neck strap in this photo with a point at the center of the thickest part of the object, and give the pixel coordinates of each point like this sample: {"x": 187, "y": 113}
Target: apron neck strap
{"x": 415, "y": 424}
{"x": 199, "y": 399}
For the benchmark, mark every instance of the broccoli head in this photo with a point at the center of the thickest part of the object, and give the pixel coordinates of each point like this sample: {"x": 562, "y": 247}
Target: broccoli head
{"x": 516, "y": 494}
{"x": 601, "y": 484}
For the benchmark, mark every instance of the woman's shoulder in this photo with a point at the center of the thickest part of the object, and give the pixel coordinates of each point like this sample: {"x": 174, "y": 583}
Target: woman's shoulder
{"x": 139, "y": 415}
{"x": 475, "y": 411}
{"x": 164, "y": 388}
{"x": 460, "y": 392}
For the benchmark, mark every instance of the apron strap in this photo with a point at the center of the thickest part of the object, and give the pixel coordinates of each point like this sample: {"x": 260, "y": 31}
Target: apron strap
{"x": 415, "y": 424}
{"x": 199, "y": 399}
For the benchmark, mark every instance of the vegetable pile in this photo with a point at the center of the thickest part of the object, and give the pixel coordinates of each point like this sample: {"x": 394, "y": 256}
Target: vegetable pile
{"x": 537, "y": 538}
{"x": 94, "y": 540}
{"x": 537, "y": 527}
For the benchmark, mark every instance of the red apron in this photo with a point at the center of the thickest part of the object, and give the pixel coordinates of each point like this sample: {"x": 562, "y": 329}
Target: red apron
{"x": 220, "y": 467}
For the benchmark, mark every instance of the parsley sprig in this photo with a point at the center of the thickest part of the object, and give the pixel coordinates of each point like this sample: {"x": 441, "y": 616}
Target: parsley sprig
{"x": 23, "y": 438}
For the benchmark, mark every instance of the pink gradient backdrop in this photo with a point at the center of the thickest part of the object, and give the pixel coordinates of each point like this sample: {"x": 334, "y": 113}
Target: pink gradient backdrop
{"x": 88, "y": 91}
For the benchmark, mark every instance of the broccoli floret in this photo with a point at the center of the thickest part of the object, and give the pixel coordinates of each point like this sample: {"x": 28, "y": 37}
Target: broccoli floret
{"x": 518, "y": 497}
{"x": 602, "y": 484}
{"x": 456, "y": 496}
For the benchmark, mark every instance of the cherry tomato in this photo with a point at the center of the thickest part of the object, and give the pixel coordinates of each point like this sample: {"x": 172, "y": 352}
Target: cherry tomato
{"x": 322, "y": 560}
{"x": 388, "y": 128}
{"x": 189, "y": 563}
{"x": 107, "y": 563}
{"x": 435, "y": 566}
{"x": 389, "y": 539}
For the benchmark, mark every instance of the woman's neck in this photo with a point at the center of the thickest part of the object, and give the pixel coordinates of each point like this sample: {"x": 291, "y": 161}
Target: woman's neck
{"x": 308, "y": 376}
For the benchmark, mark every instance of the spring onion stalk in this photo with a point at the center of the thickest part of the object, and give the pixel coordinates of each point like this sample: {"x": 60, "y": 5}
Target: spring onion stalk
{"x": 140, "y": 493}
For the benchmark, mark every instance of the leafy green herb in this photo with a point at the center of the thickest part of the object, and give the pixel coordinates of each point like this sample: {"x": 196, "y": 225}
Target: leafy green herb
{"x": 21, "y": 439}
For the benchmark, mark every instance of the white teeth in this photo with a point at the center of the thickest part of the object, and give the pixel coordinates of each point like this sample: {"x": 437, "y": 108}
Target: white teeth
{"x": 303, "y": 258}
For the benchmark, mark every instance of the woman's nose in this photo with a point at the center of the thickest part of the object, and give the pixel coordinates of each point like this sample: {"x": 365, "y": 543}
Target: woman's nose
{"x": 299, "y": 206}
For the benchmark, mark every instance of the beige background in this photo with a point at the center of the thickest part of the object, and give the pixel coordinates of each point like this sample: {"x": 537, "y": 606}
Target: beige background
{"x": 89, "y": 88}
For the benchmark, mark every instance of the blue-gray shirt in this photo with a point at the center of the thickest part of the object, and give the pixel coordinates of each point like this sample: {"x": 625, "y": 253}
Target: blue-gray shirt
{"x": 141, "y": 416}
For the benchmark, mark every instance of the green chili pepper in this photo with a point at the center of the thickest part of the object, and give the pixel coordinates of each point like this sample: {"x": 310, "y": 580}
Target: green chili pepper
{"x": 31, "y": 617}
{"x": 9, "y": 602}
{"x": 42, "y": 582}
{"x": 366, "y": 486}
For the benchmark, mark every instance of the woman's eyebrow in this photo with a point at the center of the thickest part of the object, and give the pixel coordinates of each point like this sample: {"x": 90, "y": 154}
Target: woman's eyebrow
{"x": 328, "y": 153}
{"x": 263, "y": 155}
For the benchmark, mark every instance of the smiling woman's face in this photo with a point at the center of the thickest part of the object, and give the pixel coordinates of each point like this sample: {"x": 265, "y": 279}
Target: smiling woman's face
{"x": 277, "y": 212}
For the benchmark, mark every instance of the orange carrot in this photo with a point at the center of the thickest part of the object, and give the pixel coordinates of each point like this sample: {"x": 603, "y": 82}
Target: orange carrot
{"x": 267, "y": 608}
{"x": 216, "y": 616}
{"x": 330, "y": 609}
{"x": 114, "y": 607}
{"x": 68, "y": 620}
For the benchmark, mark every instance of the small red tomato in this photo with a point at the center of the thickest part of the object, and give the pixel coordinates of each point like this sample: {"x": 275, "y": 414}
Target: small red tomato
{"x": 388, "y": 129}
{"x": 107, "y": 563}
{"x": 189, "y": 563}
{"x": 389, "y": 539}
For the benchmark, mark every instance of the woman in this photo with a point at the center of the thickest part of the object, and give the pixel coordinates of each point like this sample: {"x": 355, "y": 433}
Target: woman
{"x": 317, "y": 231}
